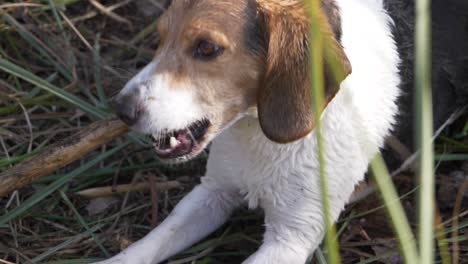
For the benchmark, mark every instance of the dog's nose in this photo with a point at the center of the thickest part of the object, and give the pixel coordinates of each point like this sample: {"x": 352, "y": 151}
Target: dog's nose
{"x": 127, "y": 107}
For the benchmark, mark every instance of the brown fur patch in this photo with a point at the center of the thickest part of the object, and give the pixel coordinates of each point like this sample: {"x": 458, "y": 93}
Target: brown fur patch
{"x": 265, "y": 61}
{"x": 284, "y": 98}
{"x": 227, "y": 85}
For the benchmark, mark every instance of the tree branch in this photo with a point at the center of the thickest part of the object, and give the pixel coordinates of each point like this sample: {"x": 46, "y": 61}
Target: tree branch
{"x": 60, "y": 154}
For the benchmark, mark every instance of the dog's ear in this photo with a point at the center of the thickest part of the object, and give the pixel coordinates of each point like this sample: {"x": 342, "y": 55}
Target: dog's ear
{"x": 284, "y": 98}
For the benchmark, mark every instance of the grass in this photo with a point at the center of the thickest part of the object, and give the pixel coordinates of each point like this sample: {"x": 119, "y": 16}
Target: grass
{"x": 60, "y": 64}
{"x": 424, "y": 131}
{"x": 316, "y": 49}
{"x": 395, "y": 210}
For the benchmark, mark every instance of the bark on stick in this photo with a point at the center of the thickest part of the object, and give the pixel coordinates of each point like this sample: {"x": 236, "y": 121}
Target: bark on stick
{"x": 60, "y": 154}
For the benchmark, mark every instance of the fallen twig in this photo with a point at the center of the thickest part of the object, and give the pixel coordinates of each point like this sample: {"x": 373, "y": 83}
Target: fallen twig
{"x": 60, "y": 154}
{"x": 124, "y": 188}
{"x": 108, "y": 12}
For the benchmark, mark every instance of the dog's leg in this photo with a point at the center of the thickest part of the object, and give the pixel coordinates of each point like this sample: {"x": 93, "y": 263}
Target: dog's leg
{"x": 294, "y": 229}
{"x": 277, "y": 252}
{"x": 279, "y": 249}
{"x": 201, "y": 212}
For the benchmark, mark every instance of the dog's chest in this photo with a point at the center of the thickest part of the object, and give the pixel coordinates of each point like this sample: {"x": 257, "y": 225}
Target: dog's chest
{"x": 265, "y": 173}
{"x": 244, "y": 160}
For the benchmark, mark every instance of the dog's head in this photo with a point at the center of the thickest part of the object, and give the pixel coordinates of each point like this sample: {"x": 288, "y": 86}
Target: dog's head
{"x": 218, "y": 58}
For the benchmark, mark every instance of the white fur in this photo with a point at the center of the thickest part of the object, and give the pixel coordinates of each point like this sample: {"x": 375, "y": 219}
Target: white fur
{"x": 284, "y": 179}
{"x": 169, "y": 104}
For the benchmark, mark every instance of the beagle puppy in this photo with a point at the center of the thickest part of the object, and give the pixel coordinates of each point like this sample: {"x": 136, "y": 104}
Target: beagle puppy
{"x": 235, "y": 73}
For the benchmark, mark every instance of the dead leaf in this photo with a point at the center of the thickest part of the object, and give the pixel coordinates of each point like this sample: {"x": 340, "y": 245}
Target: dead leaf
{"x": 100, "y": 204}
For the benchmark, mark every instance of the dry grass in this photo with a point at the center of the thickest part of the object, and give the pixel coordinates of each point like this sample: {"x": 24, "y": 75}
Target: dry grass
{"x": 88, "y": 50}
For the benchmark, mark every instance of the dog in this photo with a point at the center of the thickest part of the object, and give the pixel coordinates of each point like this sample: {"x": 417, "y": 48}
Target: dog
{"x": 234, "y": 73}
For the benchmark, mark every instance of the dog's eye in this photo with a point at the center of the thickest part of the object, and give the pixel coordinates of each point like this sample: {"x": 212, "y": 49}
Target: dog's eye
{"x": 207, "y": 50}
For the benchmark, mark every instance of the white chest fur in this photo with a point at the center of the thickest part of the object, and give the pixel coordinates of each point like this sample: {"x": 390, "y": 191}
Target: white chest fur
{"x": 354, "y": 124}
{"x": 244, "y": 166}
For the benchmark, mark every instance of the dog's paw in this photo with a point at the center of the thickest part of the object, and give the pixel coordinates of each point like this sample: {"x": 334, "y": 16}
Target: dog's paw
{"x": 114, "y": 260}
{"x": 126, "y": 259}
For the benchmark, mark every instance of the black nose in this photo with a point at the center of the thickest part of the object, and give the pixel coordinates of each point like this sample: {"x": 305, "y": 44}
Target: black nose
{"x": 127, "y": 107}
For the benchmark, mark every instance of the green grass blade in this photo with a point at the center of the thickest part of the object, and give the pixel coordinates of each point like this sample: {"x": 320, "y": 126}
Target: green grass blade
{"x": 320, "y": 257}
{"x": 395, "y": 210}
{"x": 316, "y": 64}
{"x": 379, "y": 257}
{"x": 84, "y": 224}
{"x": 57, "y": 18}
{"x": 39, "y": 196}
{"x": 65, "y": 244}
{"x": 442, "y": 241}
{"x": 19, "y": 158}
{"x": 424, "y": 130}
{"x": 451, "y": 157}
{"x": 7, "y": 133}
{"x": 35, "y": 43}
{"x": 19, "y": 72}
{"x": 8, "y": 85}
{"x": 35, "y": 92}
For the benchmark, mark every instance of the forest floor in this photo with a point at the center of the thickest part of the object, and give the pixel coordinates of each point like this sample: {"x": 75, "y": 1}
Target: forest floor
{"x": 88, "y": 49}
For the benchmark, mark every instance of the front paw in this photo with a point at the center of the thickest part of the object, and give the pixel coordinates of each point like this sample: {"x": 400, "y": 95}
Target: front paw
{"x": 114, "y": 260}
{"x": 127, "y": 258}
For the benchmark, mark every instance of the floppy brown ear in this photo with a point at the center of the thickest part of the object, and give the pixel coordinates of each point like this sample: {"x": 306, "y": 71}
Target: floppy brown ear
{"x": 284, "y": 98}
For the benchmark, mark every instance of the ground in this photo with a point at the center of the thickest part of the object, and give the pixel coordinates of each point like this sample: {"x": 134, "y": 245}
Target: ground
{"x": 88, "y": 50}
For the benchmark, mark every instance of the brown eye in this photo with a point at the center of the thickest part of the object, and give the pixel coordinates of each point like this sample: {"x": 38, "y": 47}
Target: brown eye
{"x": 207, "y": 50}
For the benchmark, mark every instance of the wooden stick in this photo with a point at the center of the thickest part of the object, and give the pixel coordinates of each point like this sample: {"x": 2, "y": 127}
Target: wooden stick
{"x": 123, "y": 188}
{"x": 154, "y": 190}
{"x": 60, "y": 154}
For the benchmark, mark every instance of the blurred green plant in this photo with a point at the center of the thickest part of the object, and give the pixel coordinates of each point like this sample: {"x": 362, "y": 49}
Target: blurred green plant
{"x": 22, "y": 51}
{"x": 424, "y": 135}
{"x": 317, "y": 51}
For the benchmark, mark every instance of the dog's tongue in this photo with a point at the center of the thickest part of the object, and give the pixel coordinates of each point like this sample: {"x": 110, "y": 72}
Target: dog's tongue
{"x": 182, "y": 141}
{"x": 178, "y": 146}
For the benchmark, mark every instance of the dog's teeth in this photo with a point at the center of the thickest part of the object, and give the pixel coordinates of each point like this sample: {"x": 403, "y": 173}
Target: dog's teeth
{"x": 173, "y": 142}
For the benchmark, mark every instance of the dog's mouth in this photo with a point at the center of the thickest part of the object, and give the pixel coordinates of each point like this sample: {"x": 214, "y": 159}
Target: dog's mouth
{"x": 183, "y": 144}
